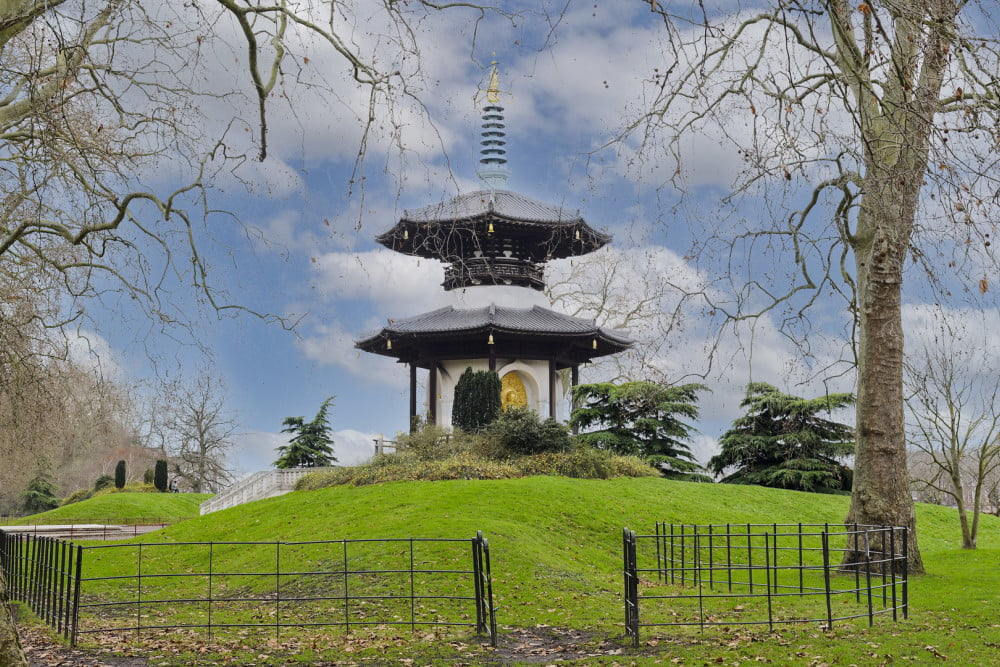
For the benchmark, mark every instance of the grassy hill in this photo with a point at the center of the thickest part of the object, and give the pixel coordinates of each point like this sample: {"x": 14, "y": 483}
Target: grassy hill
{"x": 556, "y": 553}
{"x": 124, "y": 508}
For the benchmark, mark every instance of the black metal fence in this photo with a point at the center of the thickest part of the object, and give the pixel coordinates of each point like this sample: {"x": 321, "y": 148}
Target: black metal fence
{"x": 749, "y": 574}
{"x": 222, "y": 586}
{"x": 44, "y": 573}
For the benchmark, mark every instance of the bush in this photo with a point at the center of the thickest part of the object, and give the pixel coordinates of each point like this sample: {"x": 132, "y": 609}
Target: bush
{"x": 582, "y": 463}
{"x": 104, "y": 482}
{"x": 148, "y": 476}
{"x": 77, "y": 496}
{"x": 431, "y": 442}
{"x": 520, "y": 431}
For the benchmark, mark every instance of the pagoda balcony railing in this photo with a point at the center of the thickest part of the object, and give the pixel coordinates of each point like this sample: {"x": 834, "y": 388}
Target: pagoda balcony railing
{"x": 493, "y": 271}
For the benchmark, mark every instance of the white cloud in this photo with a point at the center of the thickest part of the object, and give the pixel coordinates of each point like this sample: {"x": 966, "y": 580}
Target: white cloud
{"x": 395, "y": 284}
{"x": 257, "y": 450}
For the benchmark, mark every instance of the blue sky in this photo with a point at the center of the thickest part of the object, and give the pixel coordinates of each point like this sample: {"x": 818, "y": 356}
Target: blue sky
{"x": 306, "y": 247}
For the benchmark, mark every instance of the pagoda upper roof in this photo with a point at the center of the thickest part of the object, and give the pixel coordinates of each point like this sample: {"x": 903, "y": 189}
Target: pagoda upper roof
{"x": 537, "y": 332}
{"x": 481, "y": 221}
{"x": 502, "y": 203}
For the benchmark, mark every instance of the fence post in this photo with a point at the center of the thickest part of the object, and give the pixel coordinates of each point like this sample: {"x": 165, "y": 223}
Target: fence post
{"x": 631, "y": 585}
{"x": 477, "y": 581}
{"x": 826, "y": 579}
{"x": 489, "y": 590}
{"x": 76, "y": 594}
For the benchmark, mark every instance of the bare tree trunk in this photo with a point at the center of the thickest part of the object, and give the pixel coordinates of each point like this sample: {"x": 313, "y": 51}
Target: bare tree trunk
{"x": 11, "y": 654}
{"x": 881, "y": 495}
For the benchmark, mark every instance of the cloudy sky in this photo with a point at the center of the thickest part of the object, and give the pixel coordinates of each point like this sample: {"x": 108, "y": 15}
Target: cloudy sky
{"x": 570, "y": 87}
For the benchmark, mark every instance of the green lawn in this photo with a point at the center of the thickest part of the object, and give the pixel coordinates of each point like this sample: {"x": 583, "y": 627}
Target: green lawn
{"x": 123, "y": 508}
{"x": 556, "y": 557}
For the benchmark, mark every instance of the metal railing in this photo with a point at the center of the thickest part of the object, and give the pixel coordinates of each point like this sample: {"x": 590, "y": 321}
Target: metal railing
{"x": 281, "y": 585}
{"x": 751, "y": 574}
{"x": 260, "y": 485}
{"x": 44, "y": 573}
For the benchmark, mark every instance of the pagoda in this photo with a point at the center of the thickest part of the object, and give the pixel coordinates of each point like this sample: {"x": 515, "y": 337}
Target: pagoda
{"x": 494, "y": 244}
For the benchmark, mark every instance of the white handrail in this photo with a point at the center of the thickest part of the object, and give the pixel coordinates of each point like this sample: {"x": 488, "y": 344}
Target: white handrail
{"x": 260, "y": 485}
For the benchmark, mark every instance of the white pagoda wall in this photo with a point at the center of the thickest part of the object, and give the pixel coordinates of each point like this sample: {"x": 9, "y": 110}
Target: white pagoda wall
{"x": 534, "y": 374}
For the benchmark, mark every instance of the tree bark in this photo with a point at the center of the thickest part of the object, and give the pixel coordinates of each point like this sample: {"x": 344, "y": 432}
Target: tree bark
{"x": 881, "y": 495}
{"x": 11, "y": 653}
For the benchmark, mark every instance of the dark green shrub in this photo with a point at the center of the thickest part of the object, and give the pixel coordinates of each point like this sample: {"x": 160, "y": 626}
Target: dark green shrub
{"x": 477, "y": 400}
{"x": 148, "y": 476}
{"x": 120, "y": 475}
{"x": 520, "y": 431}
{"x": 77, "y": 496}
{"x": 40, "y": 496}
{"x": 103, "y": 482}
{"x": 160, "y": 475}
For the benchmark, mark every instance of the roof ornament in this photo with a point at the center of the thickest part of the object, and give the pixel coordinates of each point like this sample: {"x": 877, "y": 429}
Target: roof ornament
{"x": 493, "y": 170}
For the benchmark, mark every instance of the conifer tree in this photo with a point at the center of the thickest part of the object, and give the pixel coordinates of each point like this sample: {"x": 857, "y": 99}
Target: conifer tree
{"x": 477, "y": 400}
{"x": 120, "y": 475}
{"x": 160, "y": 475}
{"x": 311, "y": 445}
{"x": 640, "y": 419}
{"x": 782, "y": 442}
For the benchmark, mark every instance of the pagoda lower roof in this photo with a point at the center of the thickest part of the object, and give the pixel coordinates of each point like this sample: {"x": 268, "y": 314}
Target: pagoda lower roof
{"x": 457, "y": 333}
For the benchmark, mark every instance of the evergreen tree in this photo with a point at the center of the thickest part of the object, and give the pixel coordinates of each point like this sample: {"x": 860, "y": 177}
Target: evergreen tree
{"x": 477, "y": 400}
{"x": 642, "y": 419}
{"x": 40, "y": 496}
{"x": 104, "y": 482}
{"x": 782, "y": 442}
{"x": 311, "y": 445}
{"x": 160, "y": 475}
{"x": 120, "y": 474}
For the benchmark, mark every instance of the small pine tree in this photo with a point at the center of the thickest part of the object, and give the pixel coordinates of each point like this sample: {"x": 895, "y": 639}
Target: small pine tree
{"x": 40, "y": 496}
{"x": 160, "y": 475}
{"x": 120, "y": 475}
{"x": 783, "y": 441}
{"x": 477, "y": 400}
{"x": 310, "y": 445}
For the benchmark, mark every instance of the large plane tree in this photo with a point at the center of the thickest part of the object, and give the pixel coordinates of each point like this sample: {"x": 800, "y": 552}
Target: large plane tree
{"x": 867, "y": 135}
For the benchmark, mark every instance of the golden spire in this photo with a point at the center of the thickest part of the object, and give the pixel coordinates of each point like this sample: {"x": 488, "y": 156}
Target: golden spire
{"x": 493, "y": 92}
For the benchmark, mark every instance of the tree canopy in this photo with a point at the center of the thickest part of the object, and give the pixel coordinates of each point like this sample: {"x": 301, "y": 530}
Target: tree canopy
{"x": 640, "y": 418}
{"x": 311, "y": 445}
{"x": 782, "y": 442}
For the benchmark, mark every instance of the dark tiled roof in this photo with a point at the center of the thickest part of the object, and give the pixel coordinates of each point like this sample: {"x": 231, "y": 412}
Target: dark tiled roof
{"x": 536, "y": 320}
{"x": 500, "y": 202}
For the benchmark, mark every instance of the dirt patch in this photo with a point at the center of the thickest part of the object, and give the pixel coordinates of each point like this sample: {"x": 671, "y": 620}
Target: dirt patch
{"x": 43, "y": 651}
{"x": 537, "y": 645}
{"x": 543, "y": 644}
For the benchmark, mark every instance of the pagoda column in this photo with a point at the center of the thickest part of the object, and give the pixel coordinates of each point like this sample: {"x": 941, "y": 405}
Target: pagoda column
{"x": 432, "y": 393}
{"x": 413, "y": 396}
{"x": 552, "y": 388}
{"x": 574, "y": 381}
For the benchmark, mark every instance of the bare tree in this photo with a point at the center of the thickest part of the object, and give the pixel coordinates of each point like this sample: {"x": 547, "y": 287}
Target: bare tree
{"x": 200, "y": 433}
{"x": 642, "y": 291}
{"x": 869, "y": 130}
{"x": 954, "y": 423}
{"x": 103, "y": 99}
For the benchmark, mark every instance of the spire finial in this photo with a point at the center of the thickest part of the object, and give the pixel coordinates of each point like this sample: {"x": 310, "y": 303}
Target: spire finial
{"x": 493, "y": 92}
{"x": 493, "y": 161}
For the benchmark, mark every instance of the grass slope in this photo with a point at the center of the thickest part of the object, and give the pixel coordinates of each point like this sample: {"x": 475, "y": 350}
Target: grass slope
{"x": 123, "y": 508}
{"x": 556, "y": 546}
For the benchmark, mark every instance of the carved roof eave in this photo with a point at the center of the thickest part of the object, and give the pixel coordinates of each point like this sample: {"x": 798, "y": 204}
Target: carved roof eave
{"x": 570, "y": 339}
{"x": 412, "y": 237}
